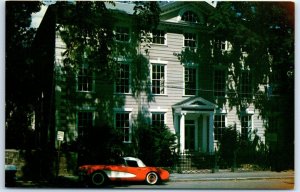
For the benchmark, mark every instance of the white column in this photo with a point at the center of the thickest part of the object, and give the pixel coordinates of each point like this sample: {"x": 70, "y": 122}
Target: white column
{"x": 196, "y": 135}
{"x": 182, "y": 132}
{"x": 211, "y": 132}
{"x": 204, "y": 133}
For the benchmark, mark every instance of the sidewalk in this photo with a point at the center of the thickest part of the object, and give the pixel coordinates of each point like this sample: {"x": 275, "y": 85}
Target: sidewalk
{"x": 227, "y": 175}
{"x": 71, "y": 181}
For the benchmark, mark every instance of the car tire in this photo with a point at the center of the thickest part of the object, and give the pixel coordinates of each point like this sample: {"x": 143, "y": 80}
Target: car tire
{"x": 152, "y": 178}
{"x": 98, "y": 179}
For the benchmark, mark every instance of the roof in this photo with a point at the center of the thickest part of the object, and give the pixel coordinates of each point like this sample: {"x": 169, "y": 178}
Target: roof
{"x": 120, "y": 6}
{"x": 128, "y": 7}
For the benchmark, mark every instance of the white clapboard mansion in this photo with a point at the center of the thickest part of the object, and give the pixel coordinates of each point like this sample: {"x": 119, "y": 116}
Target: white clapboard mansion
{"x": 186, "y": 98}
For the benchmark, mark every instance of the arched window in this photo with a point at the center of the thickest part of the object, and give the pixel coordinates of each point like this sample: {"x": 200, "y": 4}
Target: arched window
{"x": 190, "y": 16}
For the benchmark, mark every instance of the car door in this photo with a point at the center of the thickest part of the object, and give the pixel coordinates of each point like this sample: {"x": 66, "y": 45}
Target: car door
{"x": 133, "y": 169}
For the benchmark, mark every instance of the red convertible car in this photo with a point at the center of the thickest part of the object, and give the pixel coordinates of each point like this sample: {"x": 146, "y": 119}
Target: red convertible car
{"x": 127, "y": 169}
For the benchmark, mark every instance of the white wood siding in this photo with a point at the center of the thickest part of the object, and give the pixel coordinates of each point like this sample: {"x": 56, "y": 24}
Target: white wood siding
{"x": 174, "y": 89}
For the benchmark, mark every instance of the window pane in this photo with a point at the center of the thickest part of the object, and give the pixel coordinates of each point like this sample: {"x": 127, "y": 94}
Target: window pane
{"x": 122, "y": 34}
{"x": 190, "y": 16}
{"x": 190, "y": 40}
{"x": 84, "y": 79}
{"x": 219, "y": 83}
{"x": 158, "y": 36}
{"x": 158, "y": 119}
{"x": 219, "y": 126}
{"x": 84, "y": 122}
{"x": 245, "y": 84}
{"x": 122, "y": 82}
{"x": 246, "y": 123}
{"x": 190, "y": 81}
{"x": 158, "y": 79}
{"x": 122, "y": 122}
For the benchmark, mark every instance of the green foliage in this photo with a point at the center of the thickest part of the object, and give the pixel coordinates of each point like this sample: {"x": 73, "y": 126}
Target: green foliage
{"x": 87, "y": 35}
{"x": 262, "y": 38}
{"x": 99, "y": 144}
{"x": 21, "y": 92}
{"x": 235, "y": 150}
{"x": 229, "y": 145}
{"x": 154, "y": 145}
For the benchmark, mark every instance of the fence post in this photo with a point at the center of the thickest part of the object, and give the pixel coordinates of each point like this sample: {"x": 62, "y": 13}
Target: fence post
{"x": 234, "y": 168}
{"x": 215, "y": 168}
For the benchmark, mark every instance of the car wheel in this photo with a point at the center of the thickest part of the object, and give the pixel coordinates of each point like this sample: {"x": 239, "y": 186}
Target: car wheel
{"x": 152, "y": 178}
{"x": 98, "y": 178}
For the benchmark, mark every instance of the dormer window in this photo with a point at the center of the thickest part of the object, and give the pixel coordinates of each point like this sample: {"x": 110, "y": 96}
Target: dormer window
{"x": 190, "y": 16}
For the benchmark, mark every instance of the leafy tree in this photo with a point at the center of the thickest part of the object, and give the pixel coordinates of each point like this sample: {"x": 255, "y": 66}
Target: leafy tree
{"x": 20, "y": 80}
{"x": 261, "y": 36}
{"x": 91, "y": 39}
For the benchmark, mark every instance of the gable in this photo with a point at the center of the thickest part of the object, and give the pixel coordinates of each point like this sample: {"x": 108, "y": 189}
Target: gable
{"x": 195, "y": 103}
{"x": 174, "y": 11}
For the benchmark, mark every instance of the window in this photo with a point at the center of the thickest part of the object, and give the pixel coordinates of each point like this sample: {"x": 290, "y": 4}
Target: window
{"x": 219, "y": 126}
{"x": 158, "y": 119}
{"x": 132, "y": 163}
{"x": 245, "y": 84}
{"x": 158, "y": 79}
{"x": 122, "y": 83}
{"x": 190, "y": 81}
{"x": 85, "y": 80}
{"x": 246, "y": 123}
{"x": 190, "y": 40}
{"x": 158, "y": 37}
{"x": 84, "y": 123}
{"x": 122, "y": 34}
{"x": 221, "y": 45}
{"x": 190, "y": 16}
{"x": 219, "y": 83}
{"x": 122, "y": 122}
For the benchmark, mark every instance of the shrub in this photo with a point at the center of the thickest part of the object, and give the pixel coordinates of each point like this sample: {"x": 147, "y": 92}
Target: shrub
{"x": 155, "y": 145}
{"x": 235, "y": 150}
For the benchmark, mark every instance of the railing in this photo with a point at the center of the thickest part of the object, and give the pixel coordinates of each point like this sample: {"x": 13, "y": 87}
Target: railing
{"x": 194, "y": 162}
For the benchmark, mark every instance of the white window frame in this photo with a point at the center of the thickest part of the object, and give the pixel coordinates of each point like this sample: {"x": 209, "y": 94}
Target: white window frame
{"x": 158, "y": 112}
{"x": 85, "y": 66}
{"x": 129, "y": 79}
{"x": 164, "y": 64}
{"x": 250, "y": 129}
{"x": 196, "y": 76}
{"x": 84, "y": 110}
{"x": 225, "y": 121}
{"x": 184, "y": 39}
{"x": 225, "y": 82}
{"x": 194, "y": 14}
{"x": 249, "y": 84}
{"x": 165, "y": 37}
{"x": 124, "y": 111}
{"x": 128, "y": 34}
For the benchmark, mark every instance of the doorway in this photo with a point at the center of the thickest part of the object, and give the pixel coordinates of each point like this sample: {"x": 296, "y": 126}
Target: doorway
{"x": 190, "y": 135}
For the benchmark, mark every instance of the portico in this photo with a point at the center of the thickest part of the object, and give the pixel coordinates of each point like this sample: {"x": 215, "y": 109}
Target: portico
{"x": 193, "y": 120}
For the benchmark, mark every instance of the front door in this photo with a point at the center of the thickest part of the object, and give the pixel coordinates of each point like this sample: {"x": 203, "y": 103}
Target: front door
{"x": 190, "y": 135}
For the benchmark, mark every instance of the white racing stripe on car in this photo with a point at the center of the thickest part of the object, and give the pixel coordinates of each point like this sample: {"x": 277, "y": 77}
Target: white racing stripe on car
{"x": 118, "y": 174}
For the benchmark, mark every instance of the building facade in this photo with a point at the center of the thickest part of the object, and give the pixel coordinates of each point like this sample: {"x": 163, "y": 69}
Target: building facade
{"x": 189, "y": 98}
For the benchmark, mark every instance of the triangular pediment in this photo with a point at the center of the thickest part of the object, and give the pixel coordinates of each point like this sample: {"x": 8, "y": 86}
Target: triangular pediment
{"x": 195, "y": 103}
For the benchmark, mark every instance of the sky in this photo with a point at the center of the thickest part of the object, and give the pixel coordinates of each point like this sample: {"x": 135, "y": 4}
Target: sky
{"x": 37, "y": 17}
